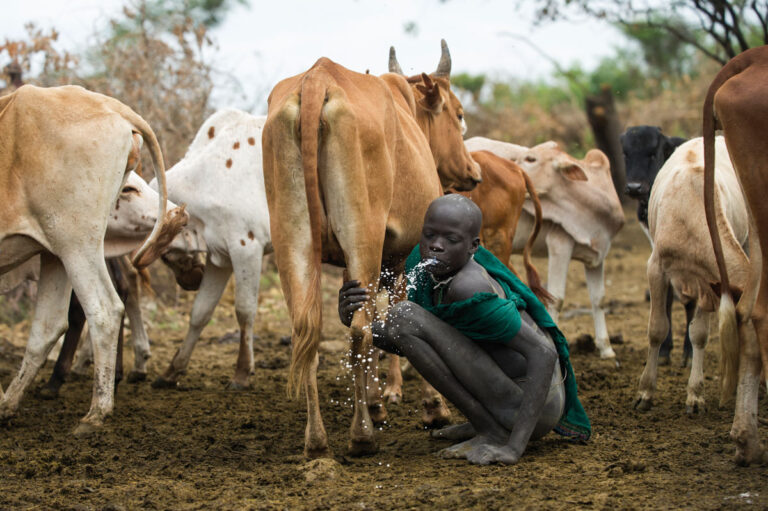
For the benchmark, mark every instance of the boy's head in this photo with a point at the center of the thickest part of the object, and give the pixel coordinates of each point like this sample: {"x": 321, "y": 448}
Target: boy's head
{"x": 450, "y": 234}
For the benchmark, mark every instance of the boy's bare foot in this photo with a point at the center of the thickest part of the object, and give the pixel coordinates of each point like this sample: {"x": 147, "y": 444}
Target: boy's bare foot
{"x": 462, "y": 449}
{"x": 487, "y": 453}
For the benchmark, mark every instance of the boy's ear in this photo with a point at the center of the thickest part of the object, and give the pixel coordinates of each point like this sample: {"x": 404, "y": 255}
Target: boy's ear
{"x": 475, "y": 246}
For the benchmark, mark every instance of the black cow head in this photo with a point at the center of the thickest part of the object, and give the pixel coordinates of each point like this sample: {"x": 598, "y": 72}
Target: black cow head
{"x": 646, "y": 149}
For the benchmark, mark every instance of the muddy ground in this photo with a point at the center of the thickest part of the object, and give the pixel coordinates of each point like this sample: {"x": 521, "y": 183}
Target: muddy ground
{"x": 203, "y": 446}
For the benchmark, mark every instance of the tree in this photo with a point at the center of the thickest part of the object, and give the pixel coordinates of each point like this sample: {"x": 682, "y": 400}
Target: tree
{"x": 719, "y": 29}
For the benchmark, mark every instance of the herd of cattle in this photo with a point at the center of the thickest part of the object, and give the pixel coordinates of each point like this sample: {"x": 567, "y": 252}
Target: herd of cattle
{"x": 341, "y": 171}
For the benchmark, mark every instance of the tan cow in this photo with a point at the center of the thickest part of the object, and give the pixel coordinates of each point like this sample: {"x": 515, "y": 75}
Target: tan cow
{"x": 64, "y": 155}
{"x": 737, "y": 102}
{"x": 349, "y": 170}
{"x": 682, "y": 256}
{"x": 582, "y": 214}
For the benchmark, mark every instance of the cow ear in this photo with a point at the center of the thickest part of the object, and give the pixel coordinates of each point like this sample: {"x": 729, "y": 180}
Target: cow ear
{"x": 572, "y": 170}
{"x": 432, "y": 100}
{"x": 668, "y": 148}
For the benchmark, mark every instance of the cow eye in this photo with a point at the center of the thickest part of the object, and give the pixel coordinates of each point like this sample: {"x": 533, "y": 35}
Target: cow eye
{"x": 130, "y": 189}
{"x": 530, "y": 159}
{"x": 461, "y": 117}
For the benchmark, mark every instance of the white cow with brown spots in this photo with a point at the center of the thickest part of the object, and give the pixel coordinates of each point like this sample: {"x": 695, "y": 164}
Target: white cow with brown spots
{"x": 582, "y": 214}
{"x": 221, "y": 181}
{"x": 64, "y": 154}
{"x": 683, "y": 257}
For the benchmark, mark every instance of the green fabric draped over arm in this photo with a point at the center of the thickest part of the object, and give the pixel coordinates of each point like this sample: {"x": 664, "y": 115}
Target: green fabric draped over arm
{"x": 489, "y": 318}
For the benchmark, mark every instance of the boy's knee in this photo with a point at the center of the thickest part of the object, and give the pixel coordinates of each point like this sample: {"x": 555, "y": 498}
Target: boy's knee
{"x": 402, "y": 320}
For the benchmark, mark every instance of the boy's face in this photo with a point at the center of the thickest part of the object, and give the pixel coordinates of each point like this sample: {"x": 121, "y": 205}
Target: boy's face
{"x": 447, "y": 237}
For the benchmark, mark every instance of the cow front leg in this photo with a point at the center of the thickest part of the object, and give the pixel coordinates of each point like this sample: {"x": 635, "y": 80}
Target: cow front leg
{"x": 393, "y": 392}
{"x": 559, "y": 250}
{"x": 103, "y": 311}
{"x": 139, "y": 337}
{"x": 48, "y": 324}
{"x": 76, "y": 320}
{"x": 596, "y": 287}
{"x": 246, "y": 265}
{"x": 376, "y": 408}
{"x": 658, "y": 325}
{"x": 434, "y": 412}
{"x": 666, "y": 347}
{"x": 211, "y": 288}
{"x": 699, "y": 329}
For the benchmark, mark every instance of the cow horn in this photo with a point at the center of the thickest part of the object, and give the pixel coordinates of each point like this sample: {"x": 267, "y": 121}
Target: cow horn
{"x": 394, "y": 66}
{"x": 444, "y": 67}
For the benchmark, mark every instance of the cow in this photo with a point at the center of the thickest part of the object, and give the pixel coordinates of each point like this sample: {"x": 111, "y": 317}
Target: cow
{"x": 221, "y": 181}
{"x": 64, "y": 155}
{"x": 646, "y": 149}
{"x": 351, "y": 162}
{"x": 500, "y": 196}
{"x": 737, "y": 103}
{"x": 682, "y": 256}
{"x": 131, "y": 219}
{"x": 582, "y": 214}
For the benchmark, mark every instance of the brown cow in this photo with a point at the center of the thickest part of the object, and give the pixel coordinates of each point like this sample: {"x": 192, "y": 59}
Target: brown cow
{"x": 349, "y": 170}
{"x": 737, "y": 102}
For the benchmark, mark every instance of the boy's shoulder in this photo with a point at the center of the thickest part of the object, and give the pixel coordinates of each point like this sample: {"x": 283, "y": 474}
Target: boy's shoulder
{"x": 469, "y": 281}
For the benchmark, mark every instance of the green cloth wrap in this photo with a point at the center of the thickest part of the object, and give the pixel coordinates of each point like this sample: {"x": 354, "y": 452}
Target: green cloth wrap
{"x": 488, "y": 317}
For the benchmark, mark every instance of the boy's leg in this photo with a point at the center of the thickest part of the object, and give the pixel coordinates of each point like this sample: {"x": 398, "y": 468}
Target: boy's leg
{"x": 467, "y": 372}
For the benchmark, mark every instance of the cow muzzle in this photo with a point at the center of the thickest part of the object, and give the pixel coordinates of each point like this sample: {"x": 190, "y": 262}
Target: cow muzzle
{"x": 636, "y": 190}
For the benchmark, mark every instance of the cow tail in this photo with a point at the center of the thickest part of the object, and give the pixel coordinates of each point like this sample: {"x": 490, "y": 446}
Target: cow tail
{"x": 140, "y": 125}
{"x": 534, "y": 281}
{"x": 307, "y": 318}
{"x": 729, "y": 336}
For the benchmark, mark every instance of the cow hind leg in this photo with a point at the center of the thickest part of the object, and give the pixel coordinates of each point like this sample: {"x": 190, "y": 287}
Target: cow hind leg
{"x": 744, "y": 430}
{"x": 103, "y": 311}
{"x": 658, "y": 325}
{"x": 246, "y": 266}
{"x": 211, "y": 288}
{"x": 48, "y": 324}
{"x": 698, "y": 328}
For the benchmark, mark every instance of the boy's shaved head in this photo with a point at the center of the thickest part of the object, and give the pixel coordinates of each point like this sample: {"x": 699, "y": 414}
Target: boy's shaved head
{"x": 455, "y": 203}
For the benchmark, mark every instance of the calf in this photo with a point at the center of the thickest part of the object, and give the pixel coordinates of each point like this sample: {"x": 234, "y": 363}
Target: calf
{"x": 645, "y": 151}
{"x": 64, "y": 155}
{"x": 581, "y": 212}
{"x": 683, "y": 259}
{"x": 220, "y": 179}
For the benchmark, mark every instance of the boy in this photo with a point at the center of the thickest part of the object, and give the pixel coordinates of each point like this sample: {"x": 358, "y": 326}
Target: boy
{"x": 464, "y": 333}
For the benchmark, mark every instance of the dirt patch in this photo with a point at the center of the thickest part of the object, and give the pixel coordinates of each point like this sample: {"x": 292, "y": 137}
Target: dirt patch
{"x": 207, "y": 447}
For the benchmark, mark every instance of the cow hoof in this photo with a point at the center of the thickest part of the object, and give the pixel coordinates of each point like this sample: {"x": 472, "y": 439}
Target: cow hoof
{"x": 695, "y": 408}
{"x": 378, "y": 413}
{"x": 643, "y": 404}
{"x": 393, "y": 396}
{"x": 136, "y": 377}
{"x": 85, "y": 429}
{"x": 162, "y": 383}
{"x": 319, "y": 452}
{"x": 607, "y": 353}
{"x": 357, "y": 448}
{"x": 435, "y": 414}
{"x": 237, "y": 386}
{"x": 48, "y": 392}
